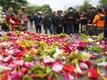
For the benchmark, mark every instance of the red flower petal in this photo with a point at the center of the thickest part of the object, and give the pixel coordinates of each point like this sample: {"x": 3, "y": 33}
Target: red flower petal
{"x": 69, "y": 68}
{"x": 94, "y": 73}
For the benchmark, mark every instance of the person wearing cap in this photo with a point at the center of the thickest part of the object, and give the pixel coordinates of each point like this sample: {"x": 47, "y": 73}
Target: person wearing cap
{"x": 37, "y": 22}
{"x": 99, "y": 21}
{"x": 69, "y": 20}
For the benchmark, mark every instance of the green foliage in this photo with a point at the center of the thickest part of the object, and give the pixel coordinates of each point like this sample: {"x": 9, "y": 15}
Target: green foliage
{"x": 100, "y": 36}
{"x": 26, "y": 77}
{"x": 32, "y": 8}
{"x": 46, "y": 49}
{"x": 4, "y": 26}
{"x": 16, "y": 4}
{"x": 103, "y": 2}
{"x": 46, "y": 8}
{"x": 99, "y": 60}
{"x": 4, "y": 38}
{"x": 84, "y": 36}
{"x": 75, "y": 57}
{"x": 41, "y": 71}
{"x": 96, "y": 48}
{"x": 85, "y": 7}
{"x": 28, "y": 57}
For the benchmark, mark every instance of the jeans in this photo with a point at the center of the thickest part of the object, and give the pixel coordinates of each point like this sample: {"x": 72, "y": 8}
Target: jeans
{"x": 38, "y": 28}
{"x": 76, "y": 28}
{"x": 51, "y": 29}
{"x": 69, "y": 29}
{"x": 99, "y": 30}
{"x": 54, "y": 29}
{"x": 88, "y": 29}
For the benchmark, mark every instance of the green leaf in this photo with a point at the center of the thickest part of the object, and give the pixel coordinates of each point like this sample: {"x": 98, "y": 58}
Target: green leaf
{"x": 105, "y": 78}
{"x": 96, "y": 48}
{"x": 26, "y": 77}
{"x": 84, "y": 36}
{"x": 37, "y": 68}
{"x": 41, "y": 79}
{"x": 28, "y": 57}
{"x": 100, "y": 36}
{"x": 74, "y": 61}
{"x": 100, "y": 60}
{"x": 48, "y": 70}
{"x": 42, "y": 75}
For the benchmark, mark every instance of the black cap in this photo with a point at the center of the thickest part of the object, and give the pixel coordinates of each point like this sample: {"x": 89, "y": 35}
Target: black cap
{"x": 70, "y": 8}
{"x": 59, "y": 11}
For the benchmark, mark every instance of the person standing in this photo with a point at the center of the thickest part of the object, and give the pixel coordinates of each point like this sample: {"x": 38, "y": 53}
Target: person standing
{"x": 77, "y": 22}
{"x": 47, "y": 22}
{"x": 37, "y": 22}
{"x": 69, "y": 20}
{"x": 31, "y": 20}
{"x": 54, "y": 22}
{"x": 84, "y": 22}
{"x": 99, "y": 21}
{"x": 91, "y": 15}
{"x": 11, "y": 19}
{"x": 25, "y": 18}
{"x": 59, "y": 20}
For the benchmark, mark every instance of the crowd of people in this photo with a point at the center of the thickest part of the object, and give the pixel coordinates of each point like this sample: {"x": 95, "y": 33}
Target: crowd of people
{"x": 69, "y": 22}
{"x": 14, "y": 21}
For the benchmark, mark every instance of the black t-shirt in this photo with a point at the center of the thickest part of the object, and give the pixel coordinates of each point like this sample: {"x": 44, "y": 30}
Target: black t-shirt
{"x": 91, "y": 16}
{"x": 84, "y": 20}
{"x": 70, "y": 18}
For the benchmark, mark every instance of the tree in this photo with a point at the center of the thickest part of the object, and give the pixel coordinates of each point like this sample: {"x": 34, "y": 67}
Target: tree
{"x": 47, "y": 8}
{"x": 16, "y": 4}
{"x": 85, "y": 7}
{"x": 34, "y": 8}
{"x": 31, "y": 9}
{"x": 103, "y": 2}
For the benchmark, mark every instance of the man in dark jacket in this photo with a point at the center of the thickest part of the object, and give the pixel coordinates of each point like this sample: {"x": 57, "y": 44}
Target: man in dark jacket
{"x": 47, "y": 22}
{"x": 54, "y": 22}
{"x": 69, "y": 21}
{"x": 90, "y": 17}
{"x": 77, "y": 22}
{"x": 59, "y": 20}
{"x": 37, "y": 21}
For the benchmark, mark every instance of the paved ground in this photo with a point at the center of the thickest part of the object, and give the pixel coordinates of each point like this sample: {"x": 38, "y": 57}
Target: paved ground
{"x": 31, "y": 28}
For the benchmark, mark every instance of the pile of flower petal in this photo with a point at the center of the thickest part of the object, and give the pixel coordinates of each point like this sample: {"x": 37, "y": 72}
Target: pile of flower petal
{"x": 29, "y": 56}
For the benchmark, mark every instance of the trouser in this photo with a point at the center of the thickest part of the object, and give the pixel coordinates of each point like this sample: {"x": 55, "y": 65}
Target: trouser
{"x": 88, "y": 29}
{"x": 105, "y": 33}
{"x": 31, "y": 23}
{"x": 99, "y": 30}
{"x": 59, "y": 30}
{"x": 54, "y": 29}
{"x": 69, "y": 29}
{"x": 50, "y": 28}
{"x": 46, "y": 29}
{"x": 76, "y": 28}
{"x": 38, "y": 28}
{"x": 84, "y": 28}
